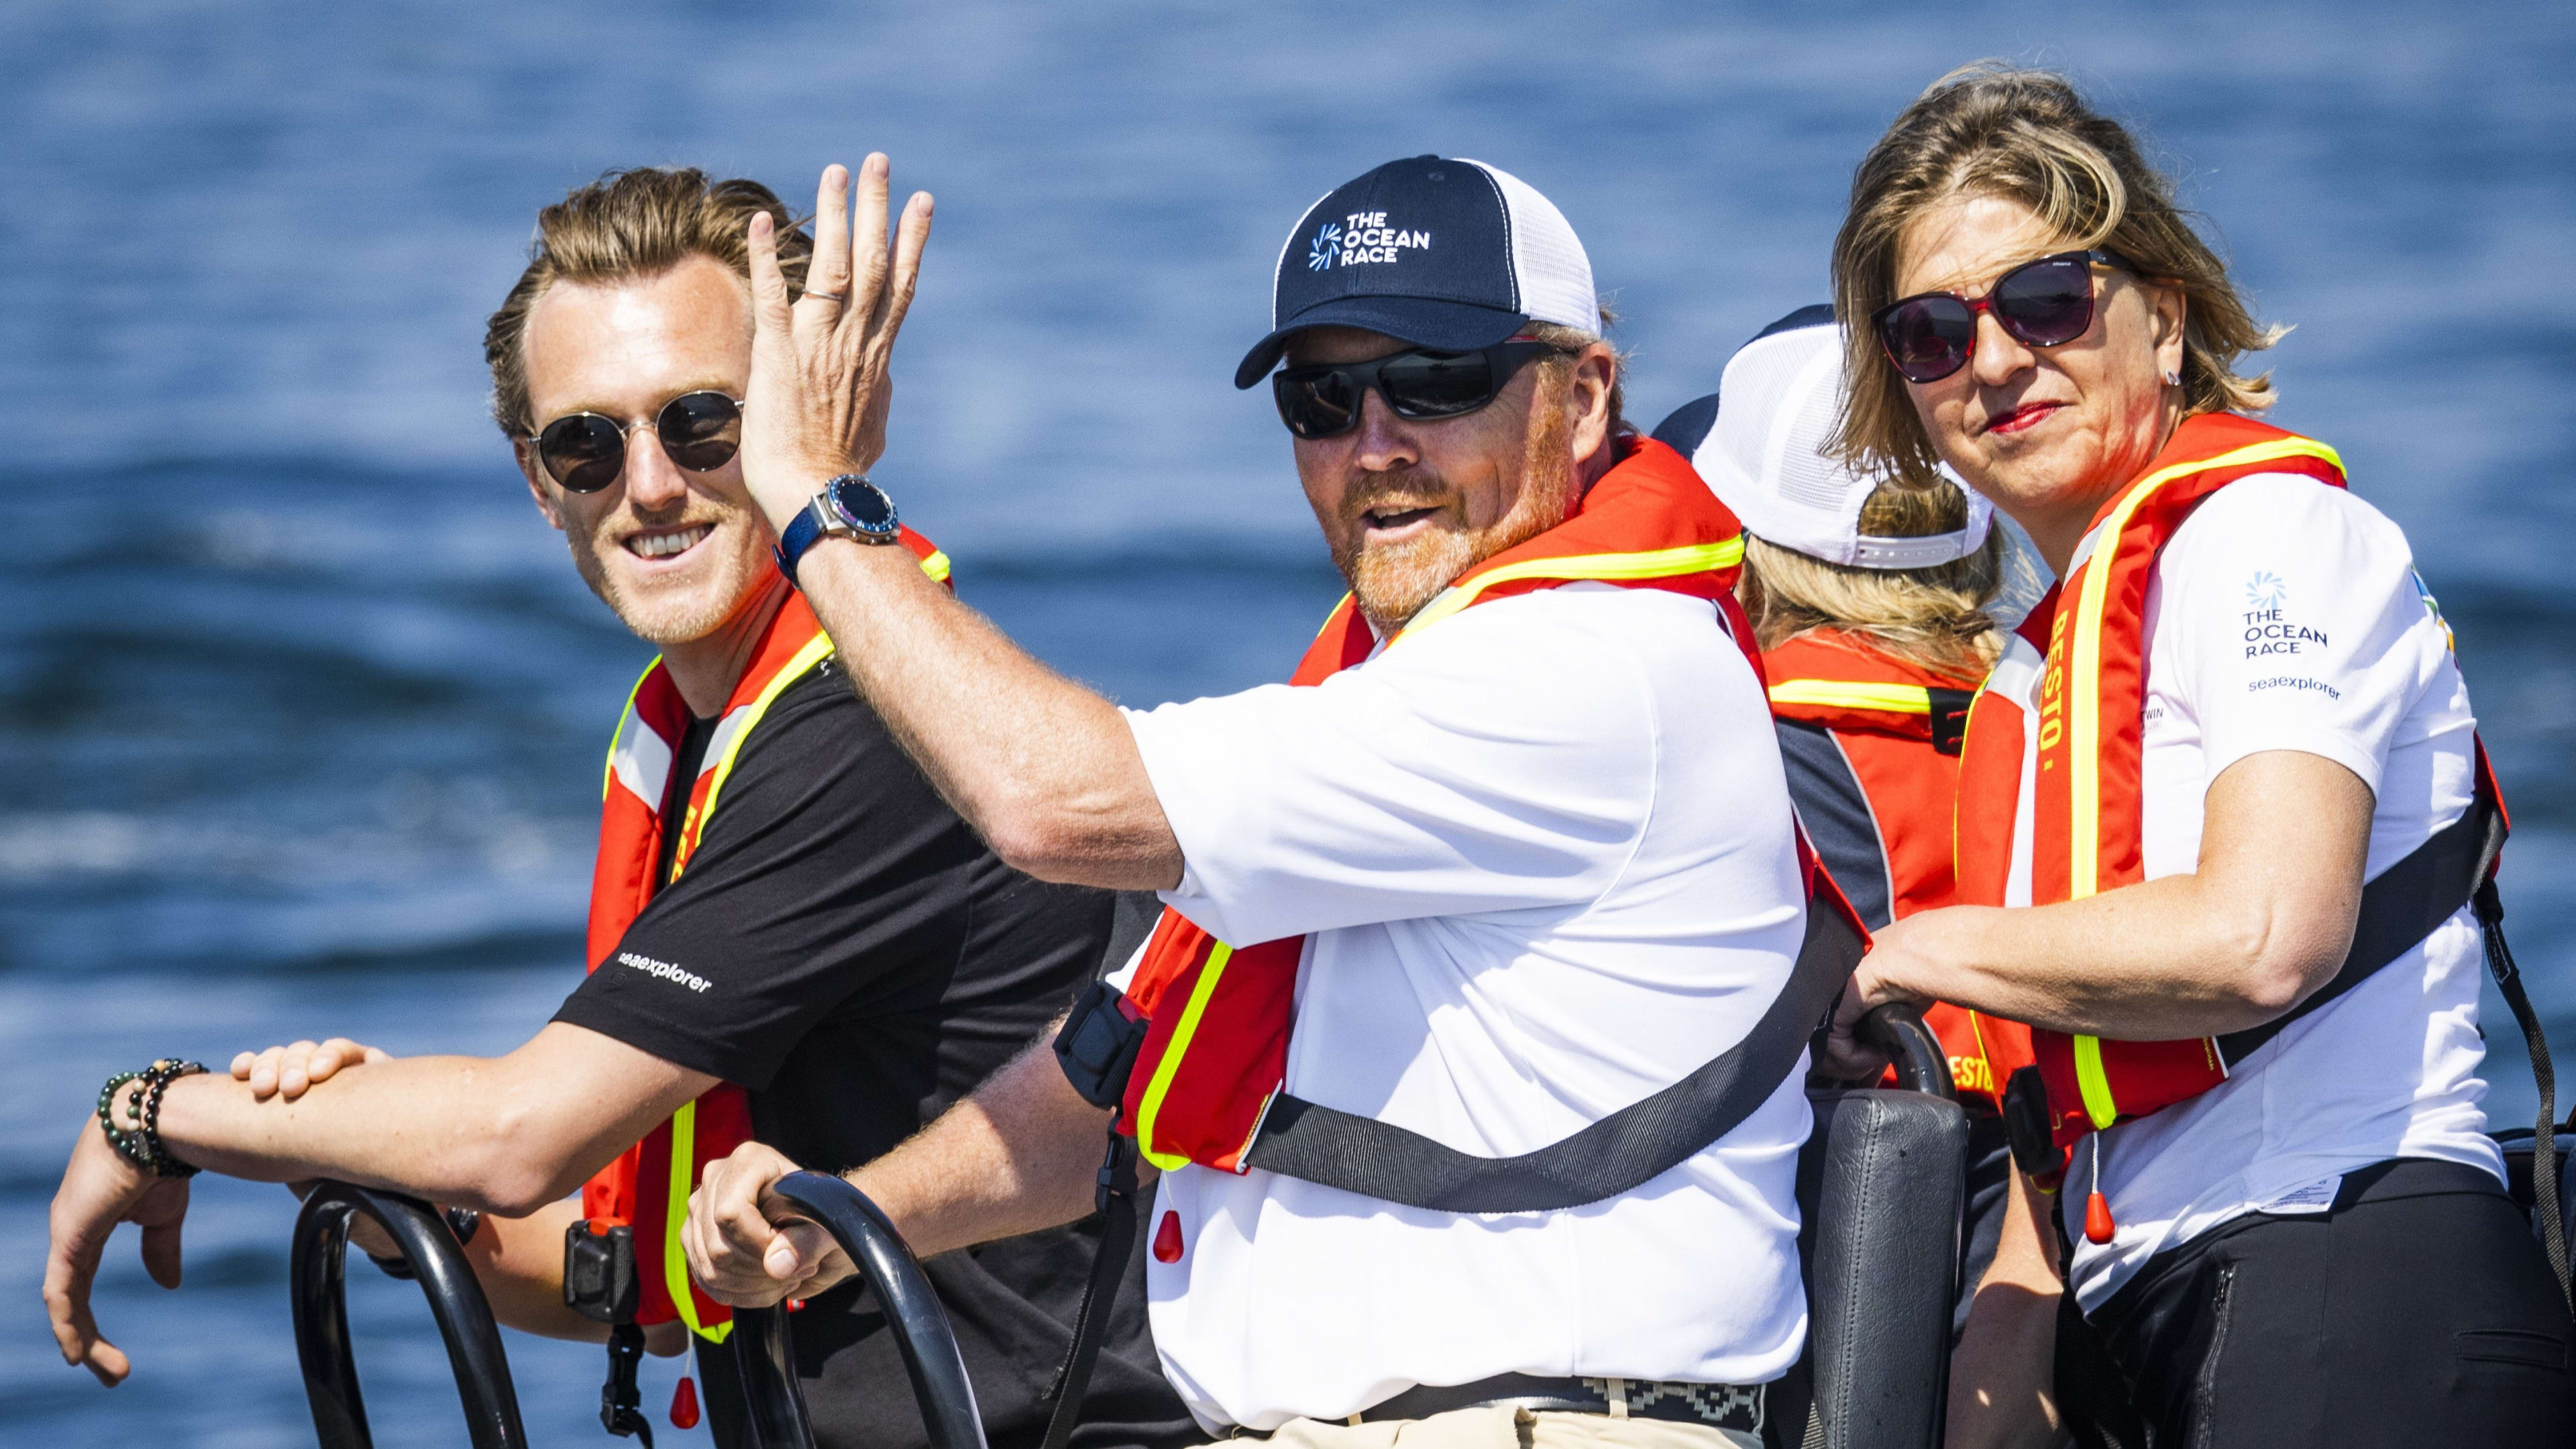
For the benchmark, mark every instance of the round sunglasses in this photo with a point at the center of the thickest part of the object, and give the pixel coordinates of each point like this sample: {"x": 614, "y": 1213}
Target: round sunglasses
{"x": 1324, "y": 401}
{"x": 2045, "y": 303}
{"x": 585, "y": 452}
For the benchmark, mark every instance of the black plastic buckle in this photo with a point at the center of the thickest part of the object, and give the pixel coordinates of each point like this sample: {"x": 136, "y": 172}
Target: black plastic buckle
{"x": 1098, "y": 1044}
{"x": 621, "y": 1401}
{"x": 1117, "y": 1170}
{"x": 2029, "y": 1129}
{"x": 599, "y": 1279}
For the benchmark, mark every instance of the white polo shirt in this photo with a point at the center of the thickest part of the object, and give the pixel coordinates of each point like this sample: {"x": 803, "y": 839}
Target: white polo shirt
{"x": 1541, "y": 852}
{"x": 2286, "y": 615}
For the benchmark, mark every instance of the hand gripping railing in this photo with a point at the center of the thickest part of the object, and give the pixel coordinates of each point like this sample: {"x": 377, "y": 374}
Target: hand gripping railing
{"x": 1896, "y": 1028}
{"x": 316, "y": 1274}
{"x": 766, "y": 1353}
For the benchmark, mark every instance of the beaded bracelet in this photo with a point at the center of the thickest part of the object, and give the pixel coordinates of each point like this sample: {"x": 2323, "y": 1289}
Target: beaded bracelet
{"x": 141, "y": 1144}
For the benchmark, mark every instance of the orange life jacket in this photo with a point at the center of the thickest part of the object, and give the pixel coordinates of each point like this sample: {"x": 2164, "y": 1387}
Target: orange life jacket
{"x": 2069, "y": 696}
{"x": 1216, "y": 1053}
{"x": 648, "y": 1185}
{"x": 1897, "y": 727}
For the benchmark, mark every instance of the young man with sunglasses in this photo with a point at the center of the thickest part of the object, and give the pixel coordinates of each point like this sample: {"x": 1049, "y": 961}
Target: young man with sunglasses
{"x": 792, "y": 938}
{"x": 1511, "y": 855}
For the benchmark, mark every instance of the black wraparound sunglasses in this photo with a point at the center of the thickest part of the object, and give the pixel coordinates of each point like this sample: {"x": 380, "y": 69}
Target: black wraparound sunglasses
{"x": 1323, "y": 401}
{"x": 585, "y": 452}
{"x": 2046, "y": 303}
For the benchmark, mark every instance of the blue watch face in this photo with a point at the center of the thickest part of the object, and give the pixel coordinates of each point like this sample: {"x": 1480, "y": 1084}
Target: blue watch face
{"x": 863, "y": 505}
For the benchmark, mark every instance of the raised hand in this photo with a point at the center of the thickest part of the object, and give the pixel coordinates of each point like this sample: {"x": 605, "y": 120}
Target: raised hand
{"x": 290, "y": 1071}
{"x": 101, "y": 1189}
{"x": 745, "y": 1245}
{"x": 820, "y": 384}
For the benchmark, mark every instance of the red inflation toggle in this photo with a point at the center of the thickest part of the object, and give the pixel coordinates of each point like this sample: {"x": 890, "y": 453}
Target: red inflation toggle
{"x": 684, "y": 1403}
{"x": 1167, "y": 1238}
{"x": 2098, "y": 1227}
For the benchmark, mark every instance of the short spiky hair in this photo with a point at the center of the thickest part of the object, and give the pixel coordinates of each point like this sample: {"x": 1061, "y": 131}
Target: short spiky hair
{"x": 1992, "y": 129}
{"x": 629, "y": 224}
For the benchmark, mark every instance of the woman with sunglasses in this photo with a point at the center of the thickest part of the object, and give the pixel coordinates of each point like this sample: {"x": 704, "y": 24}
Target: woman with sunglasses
{"x": 2224, "y": 806}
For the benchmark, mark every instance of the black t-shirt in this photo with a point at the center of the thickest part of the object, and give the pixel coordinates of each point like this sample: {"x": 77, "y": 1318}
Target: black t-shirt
{"x": 843, "y": 945}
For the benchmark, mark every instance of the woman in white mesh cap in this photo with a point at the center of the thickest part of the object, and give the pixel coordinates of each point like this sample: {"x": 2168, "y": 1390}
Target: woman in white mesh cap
{"x": 1871, "y": 601}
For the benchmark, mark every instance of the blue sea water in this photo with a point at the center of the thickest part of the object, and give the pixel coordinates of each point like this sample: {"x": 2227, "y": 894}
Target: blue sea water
{"x": 301, "y": 707}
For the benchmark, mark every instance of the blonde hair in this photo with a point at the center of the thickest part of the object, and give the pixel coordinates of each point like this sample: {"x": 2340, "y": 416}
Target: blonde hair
{"x": 629, "y": 224}
{"x": 1934, "y": 618}
{"x": 1993, "y": 129}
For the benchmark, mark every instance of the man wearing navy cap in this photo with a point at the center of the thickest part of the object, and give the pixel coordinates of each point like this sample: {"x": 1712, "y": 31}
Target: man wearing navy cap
{"x": 1509, "y": 856}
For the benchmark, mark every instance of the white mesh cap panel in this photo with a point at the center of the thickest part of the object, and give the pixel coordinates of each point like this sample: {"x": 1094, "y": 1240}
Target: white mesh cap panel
{"x": 1548, "y": 261}
{"x": 1764, "y": 457}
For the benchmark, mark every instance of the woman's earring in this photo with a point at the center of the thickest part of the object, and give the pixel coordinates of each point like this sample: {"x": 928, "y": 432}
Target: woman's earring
{"x": 2172, "y": 378}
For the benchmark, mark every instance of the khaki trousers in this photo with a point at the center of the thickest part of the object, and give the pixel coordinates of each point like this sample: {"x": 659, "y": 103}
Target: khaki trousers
{"x": 1505, "y": 1428}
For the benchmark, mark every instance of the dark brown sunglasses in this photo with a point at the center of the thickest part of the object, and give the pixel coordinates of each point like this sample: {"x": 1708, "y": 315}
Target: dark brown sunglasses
{"x": 585, "y": 452}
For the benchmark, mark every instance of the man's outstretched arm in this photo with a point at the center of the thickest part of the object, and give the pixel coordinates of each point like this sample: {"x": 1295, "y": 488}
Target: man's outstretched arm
{"x": 518, "y": 1260}
{"x": 1020, "y": 1154}
{"x": 504, "y": 1134}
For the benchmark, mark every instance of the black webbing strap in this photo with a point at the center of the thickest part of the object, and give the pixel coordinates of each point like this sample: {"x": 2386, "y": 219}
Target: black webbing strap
{"x": 2408, "y": 902}
{"x": 1116, "y": 1199}
{"x": 2544, "y": 1144}
{"x": 1622, "y": 1151}
{"x": 2400, "y": 907}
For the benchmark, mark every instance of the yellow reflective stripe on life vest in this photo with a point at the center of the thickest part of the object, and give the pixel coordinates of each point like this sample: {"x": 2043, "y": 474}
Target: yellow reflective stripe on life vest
{"x": 608, "y": 772}
{"x": 2084, "y": 668}
{"x": 675, "y": 1263}
{"x": 1853, "y": 694}
{"x": 2095, "y": 1083}
{"x": 1160, "y": 1085}
{"x": 816, "y": 650}
{"x": 1662, "y": 563}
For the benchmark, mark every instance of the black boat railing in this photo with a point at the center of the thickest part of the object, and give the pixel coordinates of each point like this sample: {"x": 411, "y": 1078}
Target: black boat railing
{"x": 317, "y": 1275}
{"x": 764, "y": 1345}
{"x": 1897, "y": 1028}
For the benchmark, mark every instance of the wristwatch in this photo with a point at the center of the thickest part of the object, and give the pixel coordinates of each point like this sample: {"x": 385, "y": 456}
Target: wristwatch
{"x": 850, "y": 506}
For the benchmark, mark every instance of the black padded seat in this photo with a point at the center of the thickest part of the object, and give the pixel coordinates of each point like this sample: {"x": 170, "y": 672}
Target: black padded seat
{"x": 1881, "y": 1187}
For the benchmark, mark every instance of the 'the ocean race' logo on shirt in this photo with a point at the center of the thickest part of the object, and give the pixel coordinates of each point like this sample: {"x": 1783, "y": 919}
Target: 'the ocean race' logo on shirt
{"x": 1362, "y": 236}
{"x": 2266, "y": 630}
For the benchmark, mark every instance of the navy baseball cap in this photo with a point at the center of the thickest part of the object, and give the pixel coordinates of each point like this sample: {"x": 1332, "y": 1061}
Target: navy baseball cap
{"x": 1442, "y": 253}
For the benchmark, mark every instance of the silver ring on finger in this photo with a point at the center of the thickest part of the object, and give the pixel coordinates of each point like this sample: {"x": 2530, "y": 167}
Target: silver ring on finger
{"x": 824, "y": 297}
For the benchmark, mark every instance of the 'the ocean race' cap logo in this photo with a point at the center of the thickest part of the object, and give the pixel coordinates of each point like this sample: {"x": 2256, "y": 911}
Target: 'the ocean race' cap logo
{"x": 1327, "y": 242}
{"x": 1362, "y": 236}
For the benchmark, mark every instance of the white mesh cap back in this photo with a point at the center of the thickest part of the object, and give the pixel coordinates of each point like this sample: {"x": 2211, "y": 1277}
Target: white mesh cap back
{"x": 1764, "y": 457}
{"x": 1549, "y": 265}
